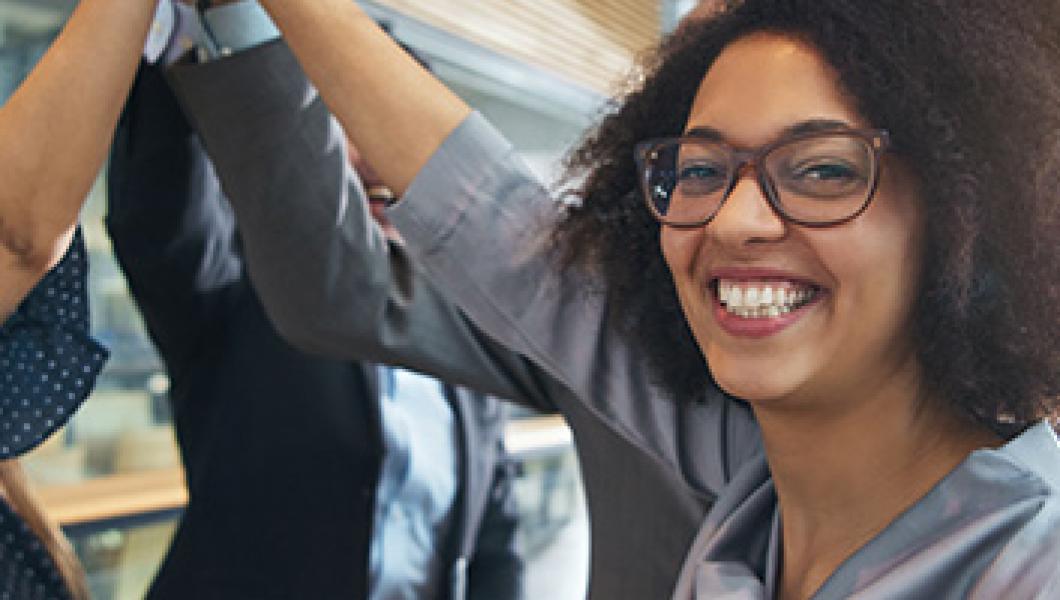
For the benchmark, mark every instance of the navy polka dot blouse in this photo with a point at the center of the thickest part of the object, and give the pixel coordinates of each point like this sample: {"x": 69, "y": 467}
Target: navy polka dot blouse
{"x": 27, "y": 571}
{"x": 48, "y": 364}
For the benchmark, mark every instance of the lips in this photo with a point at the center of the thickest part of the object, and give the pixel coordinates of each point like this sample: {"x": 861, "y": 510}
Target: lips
{"x": 760, "y": 302}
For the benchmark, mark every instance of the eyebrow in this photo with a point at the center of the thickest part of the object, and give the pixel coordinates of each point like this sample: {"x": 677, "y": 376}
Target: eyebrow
{"x": 807, "y": 126}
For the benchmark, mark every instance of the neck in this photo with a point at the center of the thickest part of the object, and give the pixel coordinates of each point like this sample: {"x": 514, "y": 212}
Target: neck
{"x": 844, "y": 470}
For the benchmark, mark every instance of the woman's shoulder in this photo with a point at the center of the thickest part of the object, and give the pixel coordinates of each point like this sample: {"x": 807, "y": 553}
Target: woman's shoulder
{"x": 1035, "y": 453}
{"x": 1028, "y": 564}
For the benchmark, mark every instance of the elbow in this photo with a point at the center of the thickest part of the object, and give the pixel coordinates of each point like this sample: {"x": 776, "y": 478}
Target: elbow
{"x": 299, "y": 330}
{"x": 33, "y": 248}
{"x": 317, "y": 328}
{"x": 37, "y": 222}
{"x": 325, "y": 308}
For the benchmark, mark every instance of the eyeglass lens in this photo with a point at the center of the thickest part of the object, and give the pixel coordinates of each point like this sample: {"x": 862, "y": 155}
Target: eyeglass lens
{"x": 821, "y": 179}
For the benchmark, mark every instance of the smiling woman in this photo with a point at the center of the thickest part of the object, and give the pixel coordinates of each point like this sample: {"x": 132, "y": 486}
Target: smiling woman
{"x": 867, "y": 293}
{"x": 984, "y": 163}
{"x": 853, "y": 277}
{"x": 811, "y": 274}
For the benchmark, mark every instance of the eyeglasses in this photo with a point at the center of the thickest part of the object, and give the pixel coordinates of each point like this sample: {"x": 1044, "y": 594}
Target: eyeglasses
{"x": 380, "y": 194}
{"x": 815, "y": 179}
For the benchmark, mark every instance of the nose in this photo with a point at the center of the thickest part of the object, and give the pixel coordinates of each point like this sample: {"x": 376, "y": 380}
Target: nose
{"x": 746, "y": 217}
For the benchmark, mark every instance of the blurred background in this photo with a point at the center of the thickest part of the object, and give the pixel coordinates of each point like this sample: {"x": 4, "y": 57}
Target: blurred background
{"x": 540, "y": 70}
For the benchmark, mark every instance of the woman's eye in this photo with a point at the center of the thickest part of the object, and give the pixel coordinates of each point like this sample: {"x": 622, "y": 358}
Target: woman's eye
{"x": 826, "y": 171}
{"x": 824, "y": 177}
{"x": 700, "y": 178}
{"x": 700, "y": 171}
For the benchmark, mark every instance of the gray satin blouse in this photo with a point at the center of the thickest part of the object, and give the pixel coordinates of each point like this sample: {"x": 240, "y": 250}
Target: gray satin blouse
{"x": 989, "y": 529}
{"x": 473, "y": 219}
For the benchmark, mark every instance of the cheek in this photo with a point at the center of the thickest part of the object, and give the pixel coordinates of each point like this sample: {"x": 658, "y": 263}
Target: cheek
{"x": 877, "y": 266}
{"x": 680, "y": 248}
{"x": 899, "y": 219}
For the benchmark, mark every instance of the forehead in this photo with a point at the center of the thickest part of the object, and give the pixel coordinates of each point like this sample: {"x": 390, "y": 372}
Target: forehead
{"x": 764, "y": 83}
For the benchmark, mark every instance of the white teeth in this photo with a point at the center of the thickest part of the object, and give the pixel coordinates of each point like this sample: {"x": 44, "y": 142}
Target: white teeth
{"x": 750, "y": 297}
{"x": 735, "y": 297}
{"x": 763, "y": 300}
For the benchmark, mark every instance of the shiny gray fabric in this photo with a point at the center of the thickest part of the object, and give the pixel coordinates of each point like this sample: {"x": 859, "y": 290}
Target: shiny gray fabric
{"x": 989, "y": 529}
{"x": 476, "y": 220}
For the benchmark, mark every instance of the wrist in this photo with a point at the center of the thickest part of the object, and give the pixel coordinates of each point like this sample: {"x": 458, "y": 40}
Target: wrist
{"x": 232, "y": 26}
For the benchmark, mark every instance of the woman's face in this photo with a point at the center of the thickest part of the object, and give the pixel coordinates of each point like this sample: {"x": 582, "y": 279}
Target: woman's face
{"x": 858, "y": 280}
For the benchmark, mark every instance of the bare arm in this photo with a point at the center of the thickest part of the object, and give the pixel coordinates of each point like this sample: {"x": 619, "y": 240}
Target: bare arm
{"x": 395, "y": 112}
{"x": 54, "y": 134}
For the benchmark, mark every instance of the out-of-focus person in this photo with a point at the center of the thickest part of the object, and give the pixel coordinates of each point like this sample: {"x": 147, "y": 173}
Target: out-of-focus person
{"x": 308, "y": 477}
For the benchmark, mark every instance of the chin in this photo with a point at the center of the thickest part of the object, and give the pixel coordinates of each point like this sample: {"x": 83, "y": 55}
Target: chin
{"x": 759, "y": 381}
{"x": 755, "y": 391}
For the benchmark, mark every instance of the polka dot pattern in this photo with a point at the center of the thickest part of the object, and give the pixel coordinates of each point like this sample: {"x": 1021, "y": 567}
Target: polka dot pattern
{"x": 48, "y": 362}
{"x": 27, "y": 571}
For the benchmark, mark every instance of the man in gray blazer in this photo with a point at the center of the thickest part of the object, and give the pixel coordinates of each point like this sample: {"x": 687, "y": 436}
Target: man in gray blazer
{"x": 333, "y": 284}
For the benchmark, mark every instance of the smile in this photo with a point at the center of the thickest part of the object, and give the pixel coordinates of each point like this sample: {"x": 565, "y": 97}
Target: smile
{"x": 759, "y": 303}
{"x": 763, "y": 299}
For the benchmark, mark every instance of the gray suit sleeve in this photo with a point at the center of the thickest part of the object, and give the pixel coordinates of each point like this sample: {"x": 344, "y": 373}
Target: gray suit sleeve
{"x": 475, "y": 217}
{"x": 329, "y": 280}
{"x": 480, "y": 223}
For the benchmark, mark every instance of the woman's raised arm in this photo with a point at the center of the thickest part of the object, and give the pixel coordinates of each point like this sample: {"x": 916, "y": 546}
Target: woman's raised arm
{"x": 54, "y": 134}
{"x": 395, "y": 112}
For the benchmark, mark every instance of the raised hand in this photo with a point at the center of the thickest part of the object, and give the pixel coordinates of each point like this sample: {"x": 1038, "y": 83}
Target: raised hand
{"x": 394, "y": 111}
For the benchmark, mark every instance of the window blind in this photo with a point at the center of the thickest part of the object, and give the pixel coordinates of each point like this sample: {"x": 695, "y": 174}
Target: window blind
{"x": 590, "y": 42}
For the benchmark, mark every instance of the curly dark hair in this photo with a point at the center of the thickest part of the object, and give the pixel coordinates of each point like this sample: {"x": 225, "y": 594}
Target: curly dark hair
{"x": 970, "y": 92}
